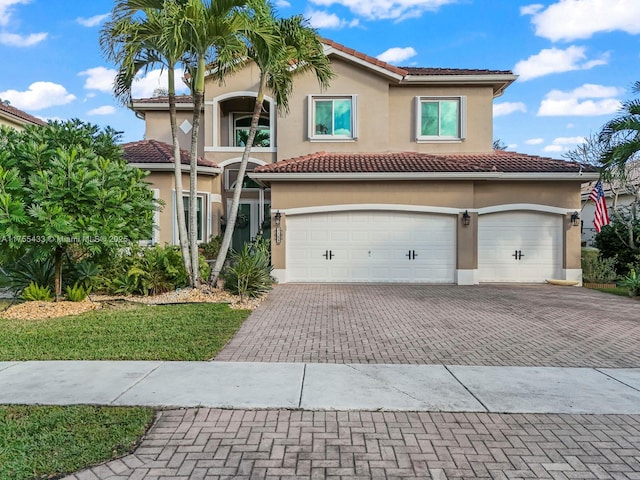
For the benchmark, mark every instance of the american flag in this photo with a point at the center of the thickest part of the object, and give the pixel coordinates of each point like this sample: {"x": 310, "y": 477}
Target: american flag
{"x": 601, "y": 217}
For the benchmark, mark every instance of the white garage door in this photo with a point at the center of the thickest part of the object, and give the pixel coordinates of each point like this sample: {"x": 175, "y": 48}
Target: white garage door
{"x": 371, "y": 246}
{"x": 519, "y": 247}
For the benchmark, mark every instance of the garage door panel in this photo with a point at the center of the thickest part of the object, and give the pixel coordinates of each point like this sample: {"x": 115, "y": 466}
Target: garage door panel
{"x": 519, "y": 247}
{"x": 369, "y": 246}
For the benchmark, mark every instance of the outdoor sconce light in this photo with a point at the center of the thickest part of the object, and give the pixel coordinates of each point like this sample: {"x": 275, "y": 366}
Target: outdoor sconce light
{"x": 575, "y": 219}
{"x": 278, "y": 233}
{"x": 466, "y": 218}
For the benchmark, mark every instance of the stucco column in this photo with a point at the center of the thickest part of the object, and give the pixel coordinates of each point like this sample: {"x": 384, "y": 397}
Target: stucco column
{"x": 467, "y": 250}
{"x": 572, "y": 263}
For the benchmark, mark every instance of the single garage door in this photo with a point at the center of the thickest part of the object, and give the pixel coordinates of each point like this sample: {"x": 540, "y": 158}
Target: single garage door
{"x": 519, "y": 247}
{"x": 371, "y": 246}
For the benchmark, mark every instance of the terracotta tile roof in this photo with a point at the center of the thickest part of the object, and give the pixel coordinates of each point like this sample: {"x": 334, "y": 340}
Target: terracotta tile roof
{"x": 411, "y": 162}
{"x": 13, "y": 111}
{"x": 454, "y": 71}
{"x": 164, "y": 99}
{"x": 367, "y": 58}
{"x": 154, "y": 151}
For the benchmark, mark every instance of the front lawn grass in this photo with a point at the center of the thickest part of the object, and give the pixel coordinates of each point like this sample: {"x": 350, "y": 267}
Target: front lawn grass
{"x": 172, "y": 332}
{"x": 621, "y": 291}
{"x": 39, "y": 442}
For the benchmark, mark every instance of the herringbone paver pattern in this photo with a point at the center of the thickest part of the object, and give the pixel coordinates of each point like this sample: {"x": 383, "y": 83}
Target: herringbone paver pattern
{"x": 199, "y": 444}
{"x": 510, "y": 325}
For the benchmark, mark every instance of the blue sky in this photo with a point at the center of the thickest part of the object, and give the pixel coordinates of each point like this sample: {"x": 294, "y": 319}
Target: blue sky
{"x": 577, "y": 59}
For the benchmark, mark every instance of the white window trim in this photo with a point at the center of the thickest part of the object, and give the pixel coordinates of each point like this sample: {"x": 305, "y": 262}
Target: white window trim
{"x": 155, "y": 237}
{"x": 313, "y": 137}
{"x": 462, "y": 120}
{"x": 206, "y": 223}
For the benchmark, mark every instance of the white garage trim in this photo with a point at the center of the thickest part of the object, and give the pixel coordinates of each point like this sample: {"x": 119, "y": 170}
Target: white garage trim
{"x": 524, "y": 206}
{"x": 372, "y": 206}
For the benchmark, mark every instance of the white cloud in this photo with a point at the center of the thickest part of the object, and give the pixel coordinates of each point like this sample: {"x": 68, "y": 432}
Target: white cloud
{"x": 322, "y": 19}
{"x": 534, "y": 141}
{"x": 40, "y": 95}
{"x": 564, "y": 144}
{"x": 507, "y": 108}
{"x": 387, "y": 9}
{"x": 6, "y": 11}
{"x": 15, "y": 40}
{"x": 580, "y": 101}
{"x": 531, "y": 9}
{"x": 573, "y": 19}
{"x": 512, "y": 146}
{"x": 104, "y": 110}
{"x": 556, "y": 60}
{"x": 99, "y": 78}
{"x": 553, "y": 148}
{"x": 571, "y": 125}
{"x": 282, "y": 4}
{"x": 397, "y": 54}
{"x": 144, "y": 86}
{"x": 92, "y": 21}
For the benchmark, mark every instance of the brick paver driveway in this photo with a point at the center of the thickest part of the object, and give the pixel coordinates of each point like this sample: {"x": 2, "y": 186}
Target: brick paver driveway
{"x": 532, "y": 325}
{"x": 199, "y": 444}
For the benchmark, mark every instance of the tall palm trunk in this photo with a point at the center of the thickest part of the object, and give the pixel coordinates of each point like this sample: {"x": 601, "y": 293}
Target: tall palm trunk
{"x": 198, "y": 99}
{"x": 177, "y": 160}
{"x": 232, "y": 214}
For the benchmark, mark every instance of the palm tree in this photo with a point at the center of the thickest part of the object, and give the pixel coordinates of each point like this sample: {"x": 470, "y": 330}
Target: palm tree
{"x": 141, "y": 35}
{"x": 298, "y": 51}
{"x": 621, "y": 136}
{"x": 216, "y": 31}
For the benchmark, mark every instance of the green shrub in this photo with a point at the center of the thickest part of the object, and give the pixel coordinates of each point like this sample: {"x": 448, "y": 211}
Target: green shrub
{"x": 147, "y": 271}
{"x": 35, "y": 292}
{"x": 211, "y": 248}
{"x": 249, "y": 274}
{"x": 85, "y": 273}
{"x": 77, "y": 293}
{"x": 613, "y": 242}
{"x": 18, "y": 273}
{"x": 596, "y": 269}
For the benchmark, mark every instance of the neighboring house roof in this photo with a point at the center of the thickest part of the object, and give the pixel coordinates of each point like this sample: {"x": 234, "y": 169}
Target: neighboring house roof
{"x": 155, "y": 152}
{"x": 629, "y": 187}
{"x": 412, "y": 162}
{"x": 18, "y": 116}
{"x": 165, "y": 99}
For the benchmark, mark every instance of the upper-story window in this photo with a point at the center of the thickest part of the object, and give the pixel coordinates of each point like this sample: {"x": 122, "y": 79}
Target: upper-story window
{"x": 440, "y": 118}
{"x": 332, "y": 117}
{"x": 241, "y": 127}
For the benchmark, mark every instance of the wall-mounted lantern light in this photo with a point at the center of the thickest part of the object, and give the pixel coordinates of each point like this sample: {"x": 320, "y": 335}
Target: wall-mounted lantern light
{"x": 575, "y": 219}
{"x": 466, "y": 218}
{"x": 277, "y": 218}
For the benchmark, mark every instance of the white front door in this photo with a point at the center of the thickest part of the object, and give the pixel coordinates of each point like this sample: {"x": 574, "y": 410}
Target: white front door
{"x": 371, "y": 246}
{"x": 519, "y": 247}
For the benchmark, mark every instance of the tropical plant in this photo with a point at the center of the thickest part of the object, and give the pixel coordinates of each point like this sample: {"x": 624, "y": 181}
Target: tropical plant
{"x": 620, "y": 242}
{"x": 17, "y": 273}
{"x": 249, "y": 274}
{"x": 596, "y": 269}
{"x": 211, "y": 248}
{"x": 65, "y": 186}
{"x": 37, "y": 293}
{"x": 77, "y": 293}
{"x": 142, "y": 35}
{"x": 632, "y": 282}
{"x": 298, "y": 51}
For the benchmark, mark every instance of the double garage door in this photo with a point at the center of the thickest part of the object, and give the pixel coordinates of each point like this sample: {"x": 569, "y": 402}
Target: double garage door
{"x": 371, "y": 246}
{"x": 391, "y": 246}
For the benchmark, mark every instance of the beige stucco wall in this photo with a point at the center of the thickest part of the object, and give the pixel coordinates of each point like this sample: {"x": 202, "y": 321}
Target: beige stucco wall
{"x": 164, "y": 182}
{"x": 478, "y": 119}
{"x": 158, "y": 127}
{"x": 11, "y": 123}
{"x": 452, "y": 194}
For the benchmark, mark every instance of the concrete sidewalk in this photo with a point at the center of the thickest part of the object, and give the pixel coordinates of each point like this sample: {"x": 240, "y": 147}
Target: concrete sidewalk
{"x": 323, "y": 386}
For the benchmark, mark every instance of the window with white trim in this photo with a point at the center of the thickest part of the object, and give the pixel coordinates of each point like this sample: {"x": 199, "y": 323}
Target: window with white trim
{"x": 201, "y": 218}
{"x": 440, "y": 118}
{"x": 332, "y": 117}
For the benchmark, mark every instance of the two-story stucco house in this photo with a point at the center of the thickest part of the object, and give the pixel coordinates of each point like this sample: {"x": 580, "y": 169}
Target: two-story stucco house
{"x": 387, "y": 176}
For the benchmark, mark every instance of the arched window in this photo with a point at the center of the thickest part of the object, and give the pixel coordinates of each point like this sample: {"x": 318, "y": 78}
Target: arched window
{"x": 242, "y": 124}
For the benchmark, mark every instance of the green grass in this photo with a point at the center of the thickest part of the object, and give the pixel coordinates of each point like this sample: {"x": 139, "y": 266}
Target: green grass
{"x": 38, "y": 442}
{"x": 621, "y": 291}
{"x": 172, "y": 332}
